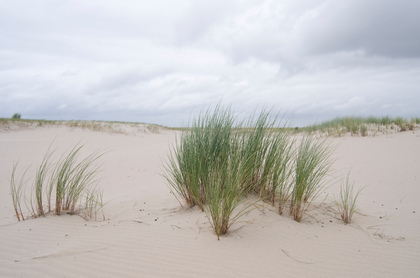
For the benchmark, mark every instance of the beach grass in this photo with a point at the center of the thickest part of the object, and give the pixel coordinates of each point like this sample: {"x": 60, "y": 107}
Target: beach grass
{"x": 224, "y": 191}
{"x": 347, "y": 204}
{"x": 282, "y": 179}
{"x": 206, "y": 168}
{"x": 94, "y": 202}
{"x": 260, "y": 143}
{"x": 16, "y": 191}
{"x": 218, "y": 162}
{"x": 313, "y": 163}
{"x": 201, "y": 150}
{"x": 73, "y": 178}
{"x": 268, "y": 155}
{"x": 41, "y": 181}
{"x": 68, "y": 180}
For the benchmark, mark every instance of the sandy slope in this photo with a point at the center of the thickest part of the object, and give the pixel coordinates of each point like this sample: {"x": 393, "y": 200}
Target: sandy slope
{"x": 147, "y": 234}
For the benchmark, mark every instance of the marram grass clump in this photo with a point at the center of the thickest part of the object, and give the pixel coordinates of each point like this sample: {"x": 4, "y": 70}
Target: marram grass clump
{"x": 201, "y": 151}
{"x": 218, "y": 162}
{"x": 71, "y": 181}
{"x": 313, "y": 163}
{"x": 206, "y": 168}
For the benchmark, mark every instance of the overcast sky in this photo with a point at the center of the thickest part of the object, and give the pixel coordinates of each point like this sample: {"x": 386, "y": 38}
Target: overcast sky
{"x": 161, "y": 61}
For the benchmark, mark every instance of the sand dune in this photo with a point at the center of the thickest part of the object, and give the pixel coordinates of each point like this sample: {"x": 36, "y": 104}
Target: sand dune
{"x": 147, "y": 233}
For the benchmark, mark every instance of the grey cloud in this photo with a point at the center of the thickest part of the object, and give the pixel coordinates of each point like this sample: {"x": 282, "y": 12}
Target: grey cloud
{"x": 292, "y": 35}
{"x": 383, "y": 28}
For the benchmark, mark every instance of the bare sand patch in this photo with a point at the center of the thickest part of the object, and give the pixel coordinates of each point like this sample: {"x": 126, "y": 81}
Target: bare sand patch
{"x": 147, "y": 233}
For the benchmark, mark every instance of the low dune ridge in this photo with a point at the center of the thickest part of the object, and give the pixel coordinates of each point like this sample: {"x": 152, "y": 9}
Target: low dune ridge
{"x": 146, "y": 232}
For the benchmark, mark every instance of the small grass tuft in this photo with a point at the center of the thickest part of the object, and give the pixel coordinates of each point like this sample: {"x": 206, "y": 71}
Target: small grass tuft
{"x": 71, "y": 178}
{"x": 347, "y": 203}
{"x": 16, "y": 190}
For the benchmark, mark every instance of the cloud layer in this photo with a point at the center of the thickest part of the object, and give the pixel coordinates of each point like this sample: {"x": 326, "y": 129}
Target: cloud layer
{"x": 161, "y": 61}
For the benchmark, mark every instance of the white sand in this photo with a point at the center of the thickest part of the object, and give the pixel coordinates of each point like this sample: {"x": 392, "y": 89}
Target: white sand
{"x": 147, "y": 234}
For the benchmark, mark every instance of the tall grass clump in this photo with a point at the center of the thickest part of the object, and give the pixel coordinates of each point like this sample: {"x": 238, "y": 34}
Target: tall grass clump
{"x": 256, "y": 143}
{"x": 278, "y": 181}
{"x": 267, "y": 155}
{"x": 218, "y": 161}
{"x": 347, "y": 203}
{"x": 206, "y": 168}
{"x": 182, "y": 173}
{"x": 224, "y": 190}
{"x": 71, "y": 181}
{"x": 282, "y": 181}
{"x": 201, "y": 150}
{"x": 312, "y": 166}
{"x": 272, "y": 181}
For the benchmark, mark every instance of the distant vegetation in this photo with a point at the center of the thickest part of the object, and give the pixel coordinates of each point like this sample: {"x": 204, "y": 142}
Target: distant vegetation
{"x": 357, "y": 126}
{"x": 363, "y": 126}
{"x": 16, "y": 116}
{"x": 104, "y": 126}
